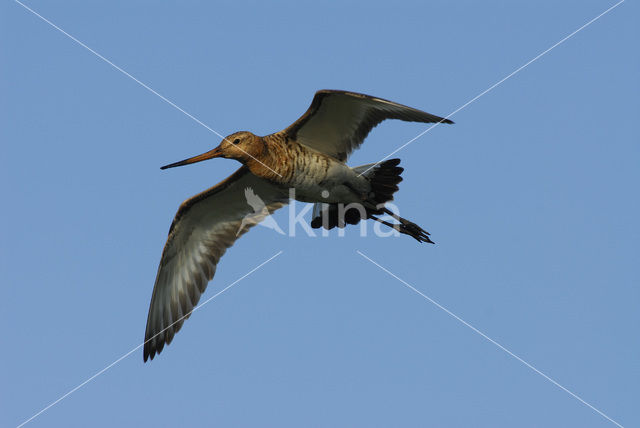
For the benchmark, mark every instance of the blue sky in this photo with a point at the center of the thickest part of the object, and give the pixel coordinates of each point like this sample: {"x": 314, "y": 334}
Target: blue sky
{"x": 532, "y": 198}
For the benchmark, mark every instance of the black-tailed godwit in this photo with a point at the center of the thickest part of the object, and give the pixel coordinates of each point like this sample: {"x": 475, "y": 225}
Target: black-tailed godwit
{"x": 308, "y": 156}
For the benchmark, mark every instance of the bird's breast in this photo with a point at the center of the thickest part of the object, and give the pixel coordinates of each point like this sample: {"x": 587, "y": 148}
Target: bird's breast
{"x": 309, "y": 173}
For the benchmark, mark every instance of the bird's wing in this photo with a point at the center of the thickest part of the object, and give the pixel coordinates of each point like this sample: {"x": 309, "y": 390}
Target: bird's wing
{"x": 204, "y": 227}
{"x": 337, "y": 122}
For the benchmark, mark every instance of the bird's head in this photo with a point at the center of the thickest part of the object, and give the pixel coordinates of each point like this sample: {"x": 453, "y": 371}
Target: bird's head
{"x": 241, "y": 146}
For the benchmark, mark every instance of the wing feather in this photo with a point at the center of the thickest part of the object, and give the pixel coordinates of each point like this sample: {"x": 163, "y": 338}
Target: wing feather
{"x": 337, "y": 122}
{"x": 202, "y": 230}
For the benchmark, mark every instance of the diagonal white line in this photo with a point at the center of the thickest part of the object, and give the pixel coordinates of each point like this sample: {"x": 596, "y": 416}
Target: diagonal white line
{"x": 151, "y": 338}
{"x": 171, "y": 103}
{"x": 488, "y": 338}
{"x": 162, "y": 97}
{"x": 499, "y": 82}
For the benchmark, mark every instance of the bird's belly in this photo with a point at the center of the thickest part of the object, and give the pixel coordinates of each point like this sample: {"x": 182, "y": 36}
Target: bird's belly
{"x": 332, "y": 183}
{"x": 328, "y": 194}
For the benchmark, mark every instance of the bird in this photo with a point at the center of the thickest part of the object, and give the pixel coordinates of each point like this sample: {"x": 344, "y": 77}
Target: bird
{"x": 307, "y": 162}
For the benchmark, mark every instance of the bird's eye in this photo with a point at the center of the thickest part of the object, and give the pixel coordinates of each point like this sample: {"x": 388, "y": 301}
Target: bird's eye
{"x": 236, "y": 141}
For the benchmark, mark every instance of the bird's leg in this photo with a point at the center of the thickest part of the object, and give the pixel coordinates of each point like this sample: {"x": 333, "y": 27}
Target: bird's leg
{"x": 404, "y": 221}
{"x": 411, "y": 229}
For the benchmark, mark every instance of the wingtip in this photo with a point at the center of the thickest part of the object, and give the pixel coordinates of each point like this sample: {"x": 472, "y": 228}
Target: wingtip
{"x": 149, "y": 351}
{"x": 148, "y": 355}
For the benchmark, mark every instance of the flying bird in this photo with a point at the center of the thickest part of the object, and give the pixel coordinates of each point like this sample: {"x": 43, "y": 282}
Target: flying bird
{"x": 309, "y": 157}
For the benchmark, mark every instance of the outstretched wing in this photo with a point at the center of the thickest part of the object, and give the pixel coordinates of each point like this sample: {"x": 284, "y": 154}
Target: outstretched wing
{"x": 337, "y": 122}
{"x": 204, "y": 227}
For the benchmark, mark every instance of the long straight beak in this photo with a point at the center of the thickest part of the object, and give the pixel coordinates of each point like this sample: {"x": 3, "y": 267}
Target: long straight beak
{"x": 208, "y": 155}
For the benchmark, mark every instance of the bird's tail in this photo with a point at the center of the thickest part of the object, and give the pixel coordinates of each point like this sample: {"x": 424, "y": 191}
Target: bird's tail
{"x": 384, "y": 178}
